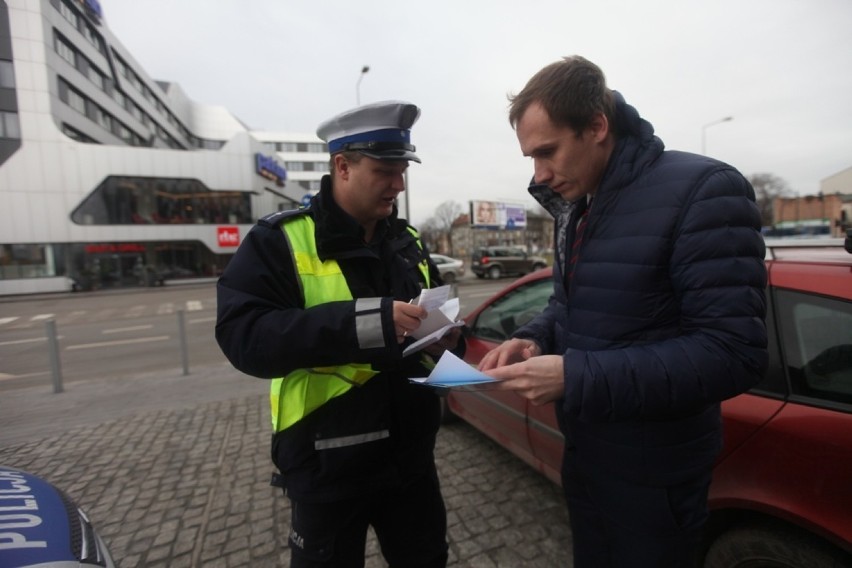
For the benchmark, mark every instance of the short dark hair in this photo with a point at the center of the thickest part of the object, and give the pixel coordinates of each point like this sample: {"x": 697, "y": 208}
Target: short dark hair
{"x": 350, "y": 155}
{"x": 572, "y": 91}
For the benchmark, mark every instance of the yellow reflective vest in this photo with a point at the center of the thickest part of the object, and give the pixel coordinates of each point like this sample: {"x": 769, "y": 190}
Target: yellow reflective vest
{"x": 302, "y": 391}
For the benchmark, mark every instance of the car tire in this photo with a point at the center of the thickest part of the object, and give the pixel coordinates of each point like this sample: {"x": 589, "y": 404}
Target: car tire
{"x": 449, "y": 277}
{"x": 772, "y": 545}
{"x": 538, "y": 266}
{"x": 494, "y": 272}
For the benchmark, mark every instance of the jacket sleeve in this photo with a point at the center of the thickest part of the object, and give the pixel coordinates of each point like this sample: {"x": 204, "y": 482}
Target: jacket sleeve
{"x": 718, "y": 279}
{"x": 263, "y": 328}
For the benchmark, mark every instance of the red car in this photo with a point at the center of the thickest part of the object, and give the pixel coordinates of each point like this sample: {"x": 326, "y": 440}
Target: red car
{"x": 782, "y": 487}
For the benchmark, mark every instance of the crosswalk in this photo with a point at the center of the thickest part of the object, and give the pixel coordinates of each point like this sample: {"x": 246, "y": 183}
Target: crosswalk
{"x": 130, "y": 312}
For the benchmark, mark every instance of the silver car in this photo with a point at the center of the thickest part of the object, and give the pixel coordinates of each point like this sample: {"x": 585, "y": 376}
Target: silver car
{"x": 451, "y": 269}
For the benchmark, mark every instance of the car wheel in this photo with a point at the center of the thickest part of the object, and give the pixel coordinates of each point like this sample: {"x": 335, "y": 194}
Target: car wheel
{"x": 538, "y": 266}
{"x": 771, "y": 545}
{"x": 494, "y": 272}
{"x": 449, "y": 277}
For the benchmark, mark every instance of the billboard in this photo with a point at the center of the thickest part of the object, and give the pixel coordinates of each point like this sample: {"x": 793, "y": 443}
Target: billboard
{"x": 498, "y": 215}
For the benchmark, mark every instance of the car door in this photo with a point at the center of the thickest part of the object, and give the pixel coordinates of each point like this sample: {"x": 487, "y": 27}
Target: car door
{"x": 499, "y": 414}
{"x": 788, "y": 443}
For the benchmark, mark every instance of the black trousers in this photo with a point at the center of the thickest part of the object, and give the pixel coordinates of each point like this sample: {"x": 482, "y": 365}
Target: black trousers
{"x": 616, "y": 523}
{"x": 410, "y": 523}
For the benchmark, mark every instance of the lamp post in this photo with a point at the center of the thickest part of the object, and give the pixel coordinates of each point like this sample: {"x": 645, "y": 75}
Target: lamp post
{"x": 364, "y": 70}
{"x": 704, "y": 131}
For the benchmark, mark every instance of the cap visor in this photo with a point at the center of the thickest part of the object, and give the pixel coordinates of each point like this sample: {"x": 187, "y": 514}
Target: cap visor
{"x": 392, "y": 155}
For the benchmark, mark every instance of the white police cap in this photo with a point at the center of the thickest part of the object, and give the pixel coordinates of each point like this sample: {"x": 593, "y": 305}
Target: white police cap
{"x": 379, "y": 130}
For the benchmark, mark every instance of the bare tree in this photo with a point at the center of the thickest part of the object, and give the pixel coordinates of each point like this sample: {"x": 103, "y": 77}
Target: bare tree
{"x": 445, "y": 215}
{"x": 766, "y": 188}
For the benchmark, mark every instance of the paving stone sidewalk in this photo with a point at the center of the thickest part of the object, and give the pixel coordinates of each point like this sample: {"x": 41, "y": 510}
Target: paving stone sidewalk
{"x": 174, "y": 471}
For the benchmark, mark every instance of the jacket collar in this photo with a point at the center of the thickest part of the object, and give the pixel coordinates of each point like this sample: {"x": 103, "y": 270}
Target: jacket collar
{"x": 338, "y": 234}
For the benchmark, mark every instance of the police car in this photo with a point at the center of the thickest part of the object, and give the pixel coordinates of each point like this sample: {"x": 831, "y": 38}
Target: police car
{"x": 41, "y": 526}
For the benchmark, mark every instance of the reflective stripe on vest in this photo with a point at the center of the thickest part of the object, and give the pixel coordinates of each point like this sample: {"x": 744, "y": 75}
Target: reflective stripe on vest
{"x": 302, "y": 391}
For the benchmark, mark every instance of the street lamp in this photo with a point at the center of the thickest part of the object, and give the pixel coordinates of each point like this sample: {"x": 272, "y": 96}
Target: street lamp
{"x": 704, "y": 131}
{"x": 364, "y": 70}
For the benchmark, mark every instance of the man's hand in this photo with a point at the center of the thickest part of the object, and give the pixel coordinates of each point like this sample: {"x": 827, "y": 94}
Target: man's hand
{"x": 512, "y": 351}
{"x": 406, "y": 318}
{"x": 538, "y": 379}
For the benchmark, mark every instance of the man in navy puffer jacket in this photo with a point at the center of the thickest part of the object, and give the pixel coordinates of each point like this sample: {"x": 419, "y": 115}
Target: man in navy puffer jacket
{"x": 657, "y": 316}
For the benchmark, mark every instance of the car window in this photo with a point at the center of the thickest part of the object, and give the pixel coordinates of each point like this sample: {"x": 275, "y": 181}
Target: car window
{"x": 500, "y": 319}
{"x": 774, "y": 383}
{"x": 817, "y": 339}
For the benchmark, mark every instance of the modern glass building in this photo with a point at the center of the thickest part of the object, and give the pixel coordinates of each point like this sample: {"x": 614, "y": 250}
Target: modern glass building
{"x": 109, "y": 178}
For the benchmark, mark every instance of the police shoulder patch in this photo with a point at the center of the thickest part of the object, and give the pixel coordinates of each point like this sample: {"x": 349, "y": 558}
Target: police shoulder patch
{"x": 275, "y": 219}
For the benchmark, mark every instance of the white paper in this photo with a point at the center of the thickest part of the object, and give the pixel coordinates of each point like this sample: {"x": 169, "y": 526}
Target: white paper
{"x": 441, "y": 316}
{"x": 452, "y": 372}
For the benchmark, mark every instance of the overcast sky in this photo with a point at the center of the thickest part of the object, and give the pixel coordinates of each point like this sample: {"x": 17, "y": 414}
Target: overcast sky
{"x": 781, "y": 68}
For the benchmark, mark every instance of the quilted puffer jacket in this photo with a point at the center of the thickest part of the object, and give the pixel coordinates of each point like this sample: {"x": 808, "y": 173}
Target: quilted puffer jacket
{"x": 664, "y": 317}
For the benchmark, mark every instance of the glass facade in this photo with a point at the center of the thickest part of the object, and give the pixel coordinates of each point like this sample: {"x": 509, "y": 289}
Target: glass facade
{"x": 123, "y": 200}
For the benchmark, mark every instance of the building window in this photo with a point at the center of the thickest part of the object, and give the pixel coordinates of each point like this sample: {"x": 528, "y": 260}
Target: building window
{"x": 7, "y": 75}
{"x": 317, "y": 147}
{"x": 93, "y": 37}
{"x": 9, "y": 126}
{"x": 66, "y": 52}
{"x": 103, "y": 119}
{"x": 76, "y": 101}
{"x": 75, "y": 134}
{"x": 121, "y": 66}
{"x": 97, "y": 77}
{"x": 69, "y": 14}
{"x": 295, "y": 166}
{"x": 159, "y": 201}
{"x": 26, "y": 261}
{"x": 287, "y": 147}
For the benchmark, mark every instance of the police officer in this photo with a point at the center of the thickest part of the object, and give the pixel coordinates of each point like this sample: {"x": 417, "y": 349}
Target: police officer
{"x": 316, "y": 299}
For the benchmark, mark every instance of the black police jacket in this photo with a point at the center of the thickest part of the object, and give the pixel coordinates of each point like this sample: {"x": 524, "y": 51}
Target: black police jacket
{"x": 264, "y": 330}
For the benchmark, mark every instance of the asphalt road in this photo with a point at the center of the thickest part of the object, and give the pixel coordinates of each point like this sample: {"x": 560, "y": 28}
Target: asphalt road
{"x": 116, "y": 333}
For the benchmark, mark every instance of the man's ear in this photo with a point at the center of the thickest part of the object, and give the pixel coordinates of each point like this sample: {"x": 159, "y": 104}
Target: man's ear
{"x": 599, "y": 127}
{"x": 341, "y": 167}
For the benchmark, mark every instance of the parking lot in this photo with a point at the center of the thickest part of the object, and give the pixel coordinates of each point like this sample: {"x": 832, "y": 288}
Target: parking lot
{"x": 173, "y": 470}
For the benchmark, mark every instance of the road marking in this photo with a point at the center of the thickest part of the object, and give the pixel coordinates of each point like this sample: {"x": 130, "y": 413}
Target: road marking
{"x": 135, "y": 312}
{"x": 22, "y": 341}
{"x": 7, "y": 377}
{"x": 118, "y": 342}
{"x": 202, "y": 320}
{"x": 166, "y": 308}
{"x": 123, "y": 329}
{"x": 8, "y": 320}
{"x": 193, "y": 305}
{"x": 39, "y": 317}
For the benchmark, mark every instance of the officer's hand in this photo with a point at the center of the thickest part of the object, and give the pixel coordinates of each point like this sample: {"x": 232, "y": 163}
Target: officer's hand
{"x": 448, "y": 342}
{"x": 406, "y": 318}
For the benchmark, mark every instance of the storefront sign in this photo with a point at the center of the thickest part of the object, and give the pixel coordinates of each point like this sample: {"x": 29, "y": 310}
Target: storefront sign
{"x": 270, "y": 169}
{"x": 228, "y": 236}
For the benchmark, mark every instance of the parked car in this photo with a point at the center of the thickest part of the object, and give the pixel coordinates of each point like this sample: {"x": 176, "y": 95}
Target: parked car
{"x": 40, "y": 526}
{"x": 782, "y": 486}
{"x": 495, "y": 262}
{"x": 451, "y": 269}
